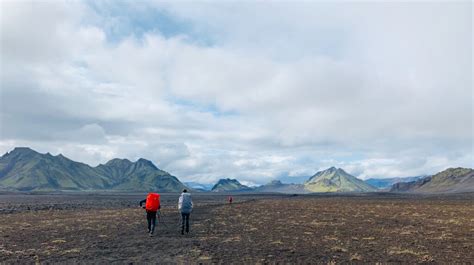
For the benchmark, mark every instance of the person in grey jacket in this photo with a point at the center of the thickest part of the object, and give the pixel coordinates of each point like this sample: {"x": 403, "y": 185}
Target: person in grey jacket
{"x": 185, "y": 206}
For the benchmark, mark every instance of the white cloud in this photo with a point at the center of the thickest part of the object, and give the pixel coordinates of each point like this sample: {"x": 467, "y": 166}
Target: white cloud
{"x": 303, "y": 87}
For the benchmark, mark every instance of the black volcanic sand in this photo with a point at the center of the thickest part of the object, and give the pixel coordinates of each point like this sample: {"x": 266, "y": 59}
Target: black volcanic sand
{"x": 107, "y": 228}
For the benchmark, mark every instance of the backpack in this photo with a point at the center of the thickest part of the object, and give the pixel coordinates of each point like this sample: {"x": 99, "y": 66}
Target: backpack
{"x": 152, "y": 202}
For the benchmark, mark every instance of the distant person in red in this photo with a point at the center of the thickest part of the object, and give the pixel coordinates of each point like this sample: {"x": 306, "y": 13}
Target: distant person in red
{"x": 230, "y": 199}
{"x": 152, "y": 205}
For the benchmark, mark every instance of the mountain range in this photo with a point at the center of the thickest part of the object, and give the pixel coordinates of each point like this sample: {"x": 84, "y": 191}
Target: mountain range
{"x": 24, "y": 169}
{"x": 447, "y": 181}
{"x": 329, "y": 180}
{"x": 27, "y": 170}
{"x": 386, "y": 183}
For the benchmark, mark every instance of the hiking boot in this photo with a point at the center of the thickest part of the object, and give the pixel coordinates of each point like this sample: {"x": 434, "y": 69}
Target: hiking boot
{"x": 151, "y": 234}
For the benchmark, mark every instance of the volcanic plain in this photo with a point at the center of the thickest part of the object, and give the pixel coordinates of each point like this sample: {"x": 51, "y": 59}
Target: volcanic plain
{"x": 256, "y": 228}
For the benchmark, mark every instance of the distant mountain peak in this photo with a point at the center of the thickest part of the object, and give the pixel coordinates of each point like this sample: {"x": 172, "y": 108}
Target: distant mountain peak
{"x": 336, "y": 180}
{"x": 275, "y": 182}
{"x": 145, "y": 162}
{"x": 226, "y": 180}
{"x": 23, "y": 150}
{"x": 119, "y": 161}
{"x": 228, "y": 184}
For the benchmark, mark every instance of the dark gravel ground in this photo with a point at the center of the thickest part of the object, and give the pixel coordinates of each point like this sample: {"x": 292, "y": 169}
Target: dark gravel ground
{"x": 257, "y": 228}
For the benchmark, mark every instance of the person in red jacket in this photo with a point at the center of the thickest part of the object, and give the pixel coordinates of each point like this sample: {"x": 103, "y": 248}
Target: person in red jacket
{"x": 230, "y": 199}
{"x": 152, "y": 205}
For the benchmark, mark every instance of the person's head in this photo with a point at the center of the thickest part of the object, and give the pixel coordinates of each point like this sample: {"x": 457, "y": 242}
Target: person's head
{"x": 185, "y": 190}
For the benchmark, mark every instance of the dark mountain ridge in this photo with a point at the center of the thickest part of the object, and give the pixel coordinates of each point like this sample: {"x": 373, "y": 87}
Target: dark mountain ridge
{"x": 26, "y": 169}
{"x": 447, "y": 181}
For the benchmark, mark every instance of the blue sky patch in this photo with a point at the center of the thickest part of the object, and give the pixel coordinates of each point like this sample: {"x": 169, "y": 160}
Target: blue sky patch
{"x": 123, "y": 19}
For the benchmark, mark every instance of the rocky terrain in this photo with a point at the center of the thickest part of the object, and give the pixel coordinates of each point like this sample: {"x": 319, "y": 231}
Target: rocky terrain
{"x": 365, "y": 228}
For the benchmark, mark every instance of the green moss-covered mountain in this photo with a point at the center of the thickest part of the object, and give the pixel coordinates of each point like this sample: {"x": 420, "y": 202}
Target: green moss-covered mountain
{"x": 232, "y": 185}
{"x": 336, "y": 180}
{"x": 449, "y": 180}
{"x": 27, "y": 170}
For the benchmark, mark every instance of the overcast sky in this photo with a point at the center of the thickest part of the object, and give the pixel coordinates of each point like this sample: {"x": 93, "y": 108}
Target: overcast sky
{"x": 254, "y": 91}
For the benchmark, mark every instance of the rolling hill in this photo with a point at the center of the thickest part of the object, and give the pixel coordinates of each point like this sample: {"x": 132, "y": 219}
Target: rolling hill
{"x": 336, "y": 180}
{"x": 448, "y": 181}
{"x": 27, "y": 170}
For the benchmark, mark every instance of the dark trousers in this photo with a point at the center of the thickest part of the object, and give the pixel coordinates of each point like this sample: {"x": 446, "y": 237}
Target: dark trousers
{"x": 185, "y": 221}
{"x": 151, "y": 219}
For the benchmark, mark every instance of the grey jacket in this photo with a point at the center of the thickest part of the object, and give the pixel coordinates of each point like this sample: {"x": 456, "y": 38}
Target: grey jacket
{"x": 185, "y": 203}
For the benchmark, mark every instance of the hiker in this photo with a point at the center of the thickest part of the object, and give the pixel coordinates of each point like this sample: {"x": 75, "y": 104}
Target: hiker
{"x": 152, "y": 205}
{"x": 230, "y": 199}
{"x": 185, "y": 206}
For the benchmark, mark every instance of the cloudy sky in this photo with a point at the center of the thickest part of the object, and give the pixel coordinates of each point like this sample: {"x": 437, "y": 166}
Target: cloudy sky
{"x": 254, "y": 91}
